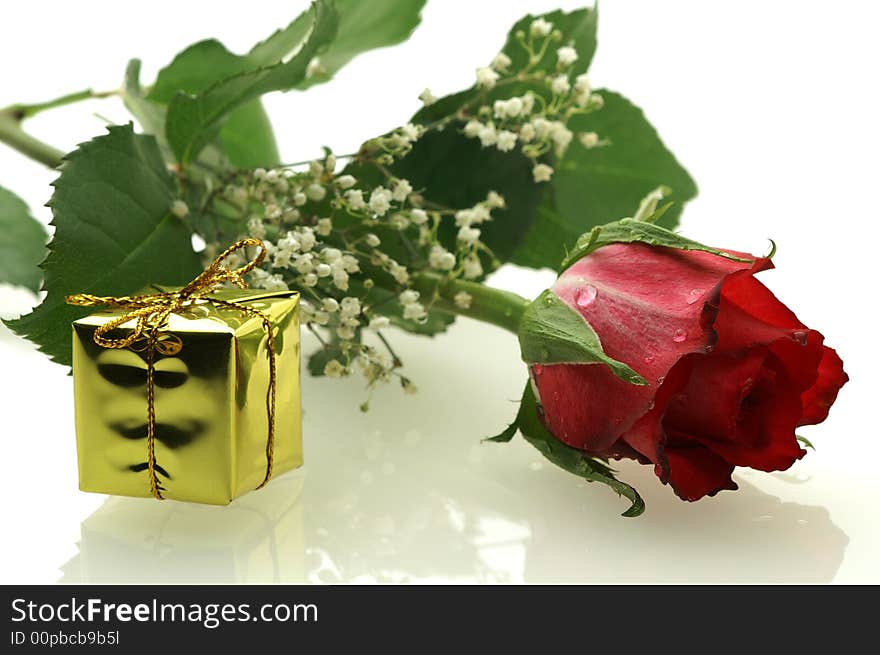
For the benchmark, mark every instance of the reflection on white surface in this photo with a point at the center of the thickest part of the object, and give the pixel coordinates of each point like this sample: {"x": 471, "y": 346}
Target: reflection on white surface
{"x": 407, "y": 492}
{"x": 420, "y": 499}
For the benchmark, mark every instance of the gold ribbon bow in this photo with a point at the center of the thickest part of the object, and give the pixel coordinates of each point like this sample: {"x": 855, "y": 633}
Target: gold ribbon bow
{"x": 151, "y": 312}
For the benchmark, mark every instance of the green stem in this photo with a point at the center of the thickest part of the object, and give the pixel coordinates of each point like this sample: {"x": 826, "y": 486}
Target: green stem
{"x": 12, "y": 134}
{"x": 501, "y": 308}
{"x": 16, "y": 138}
{"x": 22, "y": 111}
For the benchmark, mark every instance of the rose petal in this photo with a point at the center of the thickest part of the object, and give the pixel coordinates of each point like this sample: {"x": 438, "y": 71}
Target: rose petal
{"x": 817, "y": 400}
{"x": 742, "y": 407}
{"x": 695, "y": 472}
{"x": 749, "y": 314}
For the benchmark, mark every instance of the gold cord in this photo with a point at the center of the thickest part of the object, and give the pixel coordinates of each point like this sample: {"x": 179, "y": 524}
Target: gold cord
{"x": 151, "y": 311}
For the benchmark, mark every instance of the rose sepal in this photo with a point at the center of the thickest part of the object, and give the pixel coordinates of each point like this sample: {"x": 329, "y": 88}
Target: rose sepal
{"x": 528, "y": 423}
{"x": 629, "y": 230}
{"x": 551, "y": 332}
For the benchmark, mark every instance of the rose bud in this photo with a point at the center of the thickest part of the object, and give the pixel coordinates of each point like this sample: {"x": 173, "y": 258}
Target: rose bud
{"x": 727, "y": 371}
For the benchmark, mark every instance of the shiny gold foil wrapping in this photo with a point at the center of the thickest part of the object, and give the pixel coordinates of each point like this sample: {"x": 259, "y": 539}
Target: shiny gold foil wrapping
{"x": 210, "y": 402}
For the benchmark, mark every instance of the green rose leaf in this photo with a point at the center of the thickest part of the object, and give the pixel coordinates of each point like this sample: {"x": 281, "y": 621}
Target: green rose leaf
{"x": 628, "y": 230}
{"x": 591, "y": 186}
{"x": 22, "y": 243}
{"x": 529, "y": 424}
{"x": 246, "y": 137}
{"x": 195, "y": 119}
{"x": 114, "y": 233}
{"x": 551, "y": 332}
{"x": 362, "y": 26}
{"x": 457, "y": 172}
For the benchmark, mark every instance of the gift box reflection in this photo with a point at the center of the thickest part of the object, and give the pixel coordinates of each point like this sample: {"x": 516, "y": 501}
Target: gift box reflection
{"x": 210, "y": 402}
{"x": 257, "y": 539}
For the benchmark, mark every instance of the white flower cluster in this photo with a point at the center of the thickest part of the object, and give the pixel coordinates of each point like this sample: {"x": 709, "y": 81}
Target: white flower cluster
{"x": 398, "y": 143}
{"x": 325, "y": 234}
{"x": 535, "y": 123}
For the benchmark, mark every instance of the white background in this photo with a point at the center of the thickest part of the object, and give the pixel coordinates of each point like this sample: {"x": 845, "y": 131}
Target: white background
{"x": 771, "y": 105}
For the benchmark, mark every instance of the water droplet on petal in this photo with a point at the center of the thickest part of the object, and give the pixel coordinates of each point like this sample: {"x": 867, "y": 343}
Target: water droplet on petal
{"x": 585, "y": 296}
{"x": 694, "y": 295}
{"x": 800, "y": 337}
{"x": 679, "y": 335}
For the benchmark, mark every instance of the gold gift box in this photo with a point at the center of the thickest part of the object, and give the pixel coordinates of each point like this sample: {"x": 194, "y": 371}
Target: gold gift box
{"x": 211, "y": 422}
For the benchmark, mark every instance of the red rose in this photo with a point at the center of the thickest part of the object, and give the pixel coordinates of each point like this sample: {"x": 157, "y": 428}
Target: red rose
{"x": 731, "y": 371}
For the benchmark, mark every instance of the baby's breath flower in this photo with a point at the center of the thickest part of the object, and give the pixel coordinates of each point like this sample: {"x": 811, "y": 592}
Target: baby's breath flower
{"x": 411, "y": 132}
{"x": 566, "y": 56}
{"x": 324, "y": 227}
{"x": 408, "y": 297}
{"x": 540, "y": 27}
{"x": 588, "y": 139}
{"x": 330, "y": 305}
{"x": 299, "y": 199}
{"x": 372, "y": 241}
{"x": 350, "y": 306}
{"x": 379, "y": 322}
{"x": 463, "y": 299}
{"x": 561, "y": 136}
{"x": 495, "y": 200}
{"x": 345, "y": 332}
{"x": 506, "y": 140}
{"x": 472, "y": 128}
{"x": 380, "y": 200}
{"x": 542, "y": 127}
{"x": 427, "y": 97}
{"x": 418, "y": 216}
{"x": 414, "y": 312}
{"x": 487, "y": 135}
{"x": 398, "y": 272}
{"x": 486, "y": 77}
{"x": 334, "y": 369}
{"x": 401, "y": 191}
{"x": 331, "y": 254}
{"x": 500, "y": 62}
{"x": 345, "y": 181}
{"x": 441, "y": 259}
{"x": 582, "y": 84}
{"x": 273, "y": 211}
{"x": 355, "y": 199}
{"x": 316, "y": 192}
{"x": 256, "y": 228}
{"x": 468, "y": 235}
{"x": 542, "y": 173}
{"x": 560, "y": 85}
{"x": 527, "y": 133}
